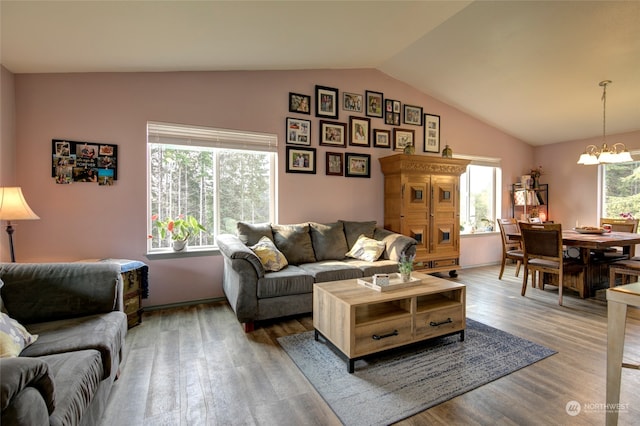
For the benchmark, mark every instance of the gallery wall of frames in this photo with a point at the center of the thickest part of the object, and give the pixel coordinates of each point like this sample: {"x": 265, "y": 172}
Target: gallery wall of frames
{"x": 359, "y": 120}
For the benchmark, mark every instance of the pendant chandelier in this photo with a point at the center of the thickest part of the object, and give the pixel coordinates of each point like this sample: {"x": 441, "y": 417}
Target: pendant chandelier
{"x": 617, "y": 153}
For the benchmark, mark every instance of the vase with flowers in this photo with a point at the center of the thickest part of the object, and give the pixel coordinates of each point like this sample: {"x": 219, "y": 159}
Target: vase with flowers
{"x": 405, "y": 266}
{"x": 178, "y": 229}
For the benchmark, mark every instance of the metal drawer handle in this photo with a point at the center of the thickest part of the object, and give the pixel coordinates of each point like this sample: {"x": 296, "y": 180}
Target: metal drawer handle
{"x": 378, "y": 337}
{"x": 436, "y": 324}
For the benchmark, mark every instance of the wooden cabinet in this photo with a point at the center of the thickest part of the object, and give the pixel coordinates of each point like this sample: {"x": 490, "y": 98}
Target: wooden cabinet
{"x": 132, "y": 295}
{"x": 422, "y": 201}
{"x": 533, "y": 202}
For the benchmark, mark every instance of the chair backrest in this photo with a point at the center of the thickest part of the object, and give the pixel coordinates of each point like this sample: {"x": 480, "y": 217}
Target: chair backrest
{"x": 509, "y": 227}
{"x": 543, "y": 241}
{"x": 620, "y": 225}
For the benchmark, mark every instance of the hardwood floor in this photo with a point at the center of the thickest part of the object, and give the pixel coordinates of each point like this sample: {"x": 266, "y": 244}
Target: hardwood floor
{"x": 196, "y": 366}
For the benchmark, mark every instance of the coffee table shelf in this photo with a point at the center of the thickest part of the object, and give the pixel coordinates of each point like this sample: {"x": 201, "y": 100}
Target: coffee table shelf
{"x": 360, "y": 321}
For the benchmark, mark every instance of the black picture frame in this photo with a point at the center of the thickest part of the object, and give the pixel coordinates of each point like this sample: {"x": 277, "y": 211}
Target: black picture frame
{"x": 327, "y": 102}
{"x": 431, "y": 133}
{"x": 391, "y": 112}
{"x": 381, "y": 138}
{"x": 299, "y": 103}
{"x": 374, "y": 103}
{"x": 298, "y": 131}
{"x": 334, "y": 164}
{"x": 84, "y": 161}
{"x": 359, "y": 131}
{"x": 352, "y": 102}
{"x": 412, "y": 115}
{"x": 333, "y": 133}
{"x": 357, "y": 165}
{"x": 402, "y": 138}
{"x": 301, "y": 160}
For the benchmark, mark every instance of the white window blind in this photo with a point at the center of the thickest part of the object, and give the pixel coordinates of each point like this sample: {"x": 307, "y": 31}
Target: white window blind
{"x": 177, "y": 134}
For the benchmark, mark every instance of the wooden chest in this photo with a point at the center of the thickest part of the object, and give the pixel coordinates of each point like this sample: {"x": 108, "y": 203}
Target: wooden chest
{"x": 132, "y": 294}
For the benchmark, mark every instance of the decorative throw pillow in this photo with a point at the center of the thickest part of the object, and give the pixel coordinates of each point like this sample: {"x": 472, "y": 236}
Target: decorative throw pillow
{"x": 13, "y": 337}
{"x": 270, "y": 257}
{"x": 250, "y": 233}
{"x": 329, "y": 242}
{"x": 366, "y": 249}
{"x": 353, "y": 230}
{"x": 294, "y": 241}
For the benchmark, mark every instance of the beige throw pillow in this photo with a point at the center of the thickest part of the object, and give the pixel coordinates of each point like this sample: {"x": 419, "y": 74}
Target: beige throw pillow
{"x": 13, "y": 337}
{"x": 270, "y": 257}
{"x": 367, "y": 249}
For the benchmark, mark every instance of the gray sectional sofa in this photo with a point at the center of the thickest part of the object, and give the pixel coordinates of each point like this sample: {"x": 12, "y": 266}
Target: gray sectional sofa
{"x": 314, "y": 252}
{"x": 65, "y": 376}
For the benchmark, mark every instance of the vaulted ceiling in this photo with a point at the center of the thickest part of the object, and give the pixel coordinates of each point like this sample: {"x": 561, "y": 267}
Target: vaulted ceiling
{"x": 529, "y": 68}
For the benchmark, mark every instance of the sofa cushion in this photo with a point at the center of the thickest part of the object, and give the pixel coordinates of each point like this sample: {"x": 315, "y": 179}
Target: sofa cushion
{"x": 76, "y": 376}
{"x": 270, "y": 257}
{"x": 294, "y": 241}
{"x": 353, "y": 230}
{"x": 329, "y": 241}
{"x": 289, "y": 281}
{"x": 331, "y": 270}
{"x": 104, "y": 333}
{"x": 378, "y": 267}
{"x": 250, "y": 233}
{"x": 13, "y": 337}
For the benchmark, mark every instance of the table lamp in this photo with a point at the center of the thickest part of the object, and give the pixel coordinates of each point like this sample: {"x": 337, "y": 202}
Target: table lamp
{"x": 13, "y": 206}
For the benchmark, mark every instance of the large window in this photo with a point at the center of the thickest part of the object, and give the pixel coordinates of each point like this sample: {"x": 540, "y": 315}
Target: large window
{"x": 218, "y": 176}
{"x": 479, "y": 197}
{"x": 621, "y": 189}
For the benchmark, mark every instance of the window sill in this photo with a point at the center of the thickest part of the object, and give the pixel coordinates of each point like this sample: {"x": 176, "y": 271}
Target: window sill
{"x": 480, "y": 234}
{"x": 190, "y": 252}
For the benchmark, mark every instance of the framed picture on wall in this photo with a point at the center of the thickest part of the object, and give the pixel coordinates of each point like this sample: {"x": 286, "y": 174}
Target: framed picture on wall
{"x": 301, "y": 160}
{"x": 333, "y": 133}
{"x": 402, "y": 138}
{"x": 299, "y": 103}
{"x": 326, "y": 102}
{"x": 351, "y": 102}
{"x": 391, "y": 112}
{"x": 381, "y": 138}
{"x": 335, "y": 164}
{"x": 413, "y": 115}
{"x": 298, "y": 131}
{"x": 431, "y": 133}
{"x": 359, "y": 131}
{"x": 357, "y": 165}
{"x": 374, "y": 103}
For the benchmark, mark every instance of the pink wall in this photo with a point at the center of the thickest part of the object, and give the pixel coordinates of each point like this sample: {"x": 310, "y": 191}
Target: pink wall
{"x": 86, "y": 221}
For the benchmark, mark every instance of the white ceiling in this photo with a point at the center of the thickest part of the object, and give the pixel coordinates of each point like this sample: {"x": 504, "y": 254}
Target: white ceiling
{"x": 529, "y": 68}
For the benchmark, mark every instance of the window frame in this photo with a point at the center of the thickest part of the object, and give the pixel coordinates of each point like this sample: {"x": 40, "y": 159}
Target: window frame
{"x": 601, "y": 196}
{"x": 217, "y": 141}
{"x": 495, "y": 163}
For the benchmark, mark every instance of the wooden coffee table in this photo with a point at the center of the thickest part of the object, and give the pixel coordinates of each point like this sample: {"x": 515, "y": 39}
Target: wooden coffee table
{"x": 360, "y": 321}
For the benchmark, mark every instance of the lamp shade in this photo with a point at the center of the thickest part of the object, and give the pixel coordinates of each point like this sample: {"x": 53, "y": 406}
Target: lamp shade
{"x": 13, "y": 206}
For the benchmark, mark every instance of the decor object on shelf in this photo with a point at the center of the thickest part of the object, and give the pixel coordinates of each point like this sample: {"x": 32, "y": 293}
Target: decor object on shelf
{"x": 617, "y": 153}
{"x": 405, "y": 266}
{"x": 447, "y": 152}
{"x": 179, "y": 229}
{"x": 13, "y": 206}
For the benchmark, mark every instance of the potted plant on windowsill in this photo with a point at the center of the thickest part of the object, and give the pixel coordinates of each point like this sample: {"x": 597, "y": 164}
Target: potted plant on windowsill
{"x": 179, "y": 229}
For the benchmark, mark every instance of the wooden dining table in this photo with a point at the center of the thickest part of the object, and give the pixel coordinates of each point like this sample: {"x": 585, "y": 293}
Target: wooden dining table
{"x": 596, "y": 275}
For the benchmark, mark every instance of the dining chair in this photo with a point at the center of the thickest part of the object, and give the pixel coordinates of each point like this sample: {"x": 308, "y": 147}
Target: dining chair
{"x": 511, "y": 248}
{"x": 542, "y": 247}
{"x": 618, "y": 225}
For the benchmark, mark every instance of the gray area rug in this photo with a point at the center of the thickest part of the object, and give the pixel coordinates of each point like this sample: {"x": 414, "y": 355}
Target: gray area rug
{"x": 389, "y": 387}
